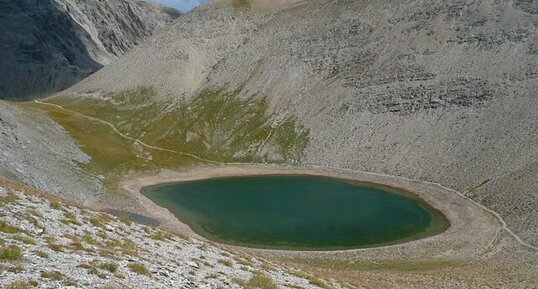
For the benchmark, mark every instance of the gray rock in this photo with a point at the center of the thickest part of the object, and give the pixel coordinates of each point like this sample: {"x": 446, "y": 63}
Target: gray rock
{"x": 46, "y": 46}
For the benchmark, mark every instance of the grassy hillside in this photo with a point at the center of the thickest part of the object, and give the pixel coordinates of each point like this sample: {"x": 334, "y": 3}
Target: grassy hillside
{"x": 215, "y": 125}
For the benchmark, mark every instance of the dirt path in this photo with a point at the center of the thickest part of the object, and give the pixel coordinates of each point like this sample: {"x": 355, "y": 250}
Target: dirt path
{"x": 113, "y": 127}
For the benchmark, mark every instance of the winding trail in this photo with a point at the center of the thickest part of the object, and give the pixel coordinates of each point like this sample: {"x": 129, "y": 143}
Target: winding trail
{"x": 503, "y": 225}
{"x": 113, "y": 127}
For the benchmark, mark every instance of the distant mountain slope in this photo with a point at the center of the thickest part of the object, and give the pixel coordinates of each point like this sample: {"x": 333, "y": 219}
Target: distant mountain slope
{"x": 46, "y": 46}
{"x": 444, "y": 91}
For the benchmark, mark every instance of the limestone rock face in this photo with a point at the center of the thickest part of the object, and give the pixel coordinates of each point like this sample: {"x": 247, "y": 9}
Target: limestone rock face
{"x": 46, "y": 46}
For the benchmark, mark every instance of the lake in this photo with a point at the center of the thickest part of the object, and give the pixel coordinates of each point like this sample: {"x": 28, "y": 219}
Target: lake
{"x": 297, "y": 212}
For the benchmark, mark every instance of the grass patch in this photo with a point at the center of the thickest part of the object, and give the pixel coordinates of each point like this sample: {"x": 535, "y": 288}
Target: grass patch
{"x": 240, "y": 4}
{"x": 318, "y": 282}
{"x": 110, "y": 286}
{"x": 76, "y": 244}
{"x": 217, "y": 124}
{"x": 35, "y": 213}
{"x": 89, "y": 239}
{"x": 129, "y": 247}
{"x": 225, "y": 262}
{"x": 312, "y": 279}
{"x": 107, "y": 252}
{"x": 10, "y": 253}
{"x": 15, "y": 269}
{"x": 125, "y": 219}
{"x": 102, "y": 235}
{"x": 139, "y": 268}
{"x": 100, "y": 220}
{"x": 244, "y": 260}
{"x": 113, "y": 243}
{"x": 70, "y": 219}
{"x": 22, "y": 285}
{"x": 42, "y": 254}
{"x": 92, "y": 270}
{"x": 54, "y": 275}
{"x": 110, "y": 267}
{"x": 382, "y": 266}
{"x": 56, "y": 205}
{"x": 24, "y": 239}
{"x": 56, "y": 247}
{"x": 257, "y": 281}
{"x": 11, "y": 198}
{"x": 112, "y": 155}
{"x": 161, "y": 236}
{"x": 51, "y": 243}
{"x": 8, "y": 229}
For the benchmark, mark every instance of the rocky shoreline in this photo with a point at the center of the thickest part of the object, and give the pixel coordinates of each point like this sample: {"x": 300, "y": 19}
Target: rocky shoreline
{"x": 461, "y": 213}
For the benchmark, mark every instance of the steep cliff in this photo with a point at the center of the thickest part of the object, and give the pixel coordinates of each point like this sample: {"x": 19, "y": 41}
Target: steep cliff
{"x": 46, "y": 46}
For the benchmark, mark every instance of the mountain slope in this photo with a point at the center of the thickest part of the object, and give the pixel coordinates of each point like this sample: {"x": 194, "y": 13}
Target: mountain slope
{"x": 55, "y": 245}
{"x": 48, "y": 45}
{"x": 433, "y": 90}
{"x": 37, "y": 151}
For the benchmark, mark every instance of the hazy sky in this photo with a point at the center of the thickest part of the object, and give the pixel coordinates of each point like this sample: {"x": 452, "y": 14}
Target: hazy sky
{"x": 181, "y": 5}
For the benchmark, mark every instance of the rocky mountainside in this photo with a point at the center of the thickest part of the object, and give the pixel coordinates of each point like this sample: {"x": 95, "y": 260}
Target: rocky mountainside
{"x": 48, "y": 244}
{"x": 37, "y": 151}
{"x": 46, "y": 46}
{"x": 433, "y": 90}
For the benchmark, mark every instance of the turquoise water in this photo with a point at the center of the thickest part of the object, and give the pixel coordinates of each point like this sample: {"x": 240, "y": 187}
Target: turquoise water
{"x": 297, "y": 212}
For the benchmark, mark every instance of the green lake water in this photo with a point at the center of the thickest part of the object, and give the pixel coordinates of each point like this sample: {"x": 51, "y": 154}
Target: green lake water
{"x": 297, "y": 212}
